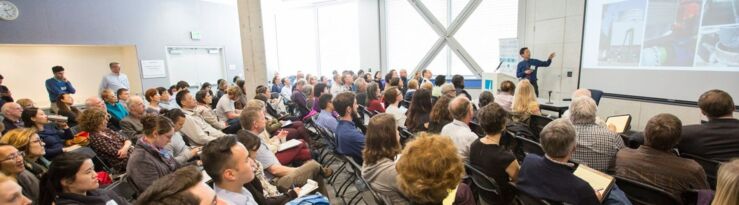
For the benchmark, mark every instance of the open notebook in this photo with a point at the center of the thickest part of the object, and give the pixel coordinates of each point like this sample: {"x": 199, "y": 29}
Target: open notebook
{"x": 289, "y": 144}
{"x": 620, "y": 121}
{"x": 598, "y": 180}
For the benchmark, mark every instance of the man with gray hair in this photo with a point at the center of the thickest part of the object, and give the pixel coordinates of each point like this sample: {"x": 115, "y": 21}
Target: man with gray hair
{"x": 461, "y": 110}
{"x": 299, "y": 98}
{"x": 131, "y": 126}
{"x": 550, "y": 177}
{"x": 95, "y": 102}
{"x": 582, "y": 92}
{"x": 11, "y": 116}
{"x": 596, "y": 145}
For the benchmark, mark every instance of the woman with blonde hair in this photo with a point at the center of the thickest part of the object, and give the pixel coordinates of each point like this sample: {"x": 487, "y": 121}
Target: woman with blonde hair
{"x": 28, "y": 141}
{"x": 727, "y": 189}
{"x": 524, "y": 102}
{"x": 431, "y": 183}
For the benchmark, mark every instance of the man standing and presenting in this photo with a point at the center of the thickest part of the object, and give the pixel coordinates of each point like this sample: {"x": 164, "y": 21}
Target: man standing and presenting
{"x": 525, "y": 71}
{"x": 115, "y": 80}
{"x": 58, "y": 85}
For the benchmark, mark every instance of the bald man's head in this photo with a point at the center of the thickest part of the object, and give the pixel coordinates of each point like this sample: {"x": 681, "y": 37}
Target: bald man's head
{"x": 582, "y": 92}
{"x": 95, "y": 102}
{"x": 461, "y": 109}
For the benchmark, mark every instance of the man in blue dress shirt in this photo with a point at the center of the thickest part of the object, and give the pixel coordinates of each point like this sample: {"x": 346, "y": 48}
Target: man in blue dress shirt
{"x": 525, "y": 71}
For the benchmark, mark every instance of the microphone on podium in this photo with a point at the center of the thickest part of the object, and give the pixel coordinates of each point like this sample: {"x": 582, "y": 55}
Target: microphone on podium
{"x": 550, "y": 98}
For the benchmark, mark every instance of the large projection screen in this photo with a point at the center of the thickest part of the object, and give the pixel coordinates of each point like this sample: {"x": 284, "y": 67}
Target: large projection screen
{"x": 670, "y": 50}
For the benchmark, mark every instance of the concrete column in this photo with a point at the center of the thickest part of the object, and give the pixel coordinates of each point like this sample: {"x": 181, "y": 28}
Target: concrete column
{"x": 252, "y": 44}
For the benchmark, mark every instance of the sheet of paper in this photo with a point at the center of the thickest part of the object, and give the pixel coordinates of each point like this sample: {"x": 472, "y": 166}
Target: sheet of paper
{"x": 598, "y": 180}
{"x": 619, "y": 121}
{"x": 289, "y": 144}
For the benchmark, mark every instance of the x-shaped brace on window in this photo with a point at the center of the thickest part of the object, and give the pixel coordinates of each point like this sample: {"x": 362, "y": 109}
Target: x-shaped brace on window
{"x": 446, "y": 35}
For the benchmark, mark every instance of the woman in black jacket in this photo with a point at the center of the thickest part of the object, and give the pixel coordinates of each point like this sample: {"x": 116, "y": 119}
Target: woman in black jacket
{"x": 72, "y": 179}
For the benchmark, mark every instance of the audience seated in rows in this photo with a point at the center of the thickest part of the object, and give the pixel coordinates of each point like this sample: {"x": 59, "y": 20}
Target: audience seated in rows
{"x": 438, "y": 82}
{"x": 284, "y": 177}
{"x": 180, "y": 150}
{"x": 149, "y": 160}
{"x": 295, "y": 129}
{"x": 195, "y": 128}
{"x": 654, "y": 163}
{"x": 13, "y": 166}
{"x": 440, "y": 115}
{"x": 53, "y": 134}
{"x": 582, "y": 92}
{"x": 109, "y": 145}
{"x": 114, "y": 107}
{"x": 204, "y": 110}
{"x": 492, "y": 158}
{"x": 718, "y": 138}
{"x": 12, "y": 116}
{"x": 524, "y": 102}
{"x": 184, "y": 186}
{"x": 261, "y": 188}
{"x": 412, "y": 87}
{"x": 349, "y": 139}
{"x": 486, "y": 97}
{"x": 728, "y": 181}
{"x": 392, "y": 98}
{"x": 374, "y": 104}
{"x": 123, "y": 95}
{"x": 550, "y": 177}
{"x": 446, "y": 171}
{"x": 460, "y": 108}
{"x": 228, "y": 164}
{"x": 300, "y": 99}
{"x": 382, "y": 147}
{"x": 72, "y": 179}
{"x": 152, "y": 97}
{"x": 361, "y": 91}
{"x": 419, "y": 111}
{"x": 596, "y": 145}
{"x": 94, "y": 102}
{"x": 28, "y": 141}
{"x": 226, "y": 107}
{"x": 297, "y": 154}
{"x": 504, "y": 98}
{"x": 12, "y": 192}
{"x": 66, "y": 107}
{"x": 458, "y": 82}
{"x": 131, "y": 126}
{"x": 326, "y": 118}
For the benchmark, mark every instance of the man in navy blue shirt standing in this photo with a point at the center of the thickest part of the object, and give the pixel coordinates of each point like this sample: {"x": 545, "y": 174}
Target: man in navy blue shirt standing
{"x": 524, "y": 70}
{"x": 57, "y": 86}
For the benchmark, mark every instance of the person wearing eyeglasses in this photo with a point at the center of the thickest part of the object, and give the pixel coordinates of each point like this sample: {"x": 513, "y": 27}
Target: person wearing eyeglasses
{"x": 12, "y": 165}
{"x": 72, "y": 179}
{"x": 29, "y": 142}
{"x": 12, "y": 192}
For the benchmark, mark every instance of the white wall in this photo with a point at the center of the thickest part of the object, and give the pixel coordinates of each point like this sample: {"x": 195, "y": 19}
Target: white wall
{"x": 84, "y": 67}
{"x": 556, "y": 26}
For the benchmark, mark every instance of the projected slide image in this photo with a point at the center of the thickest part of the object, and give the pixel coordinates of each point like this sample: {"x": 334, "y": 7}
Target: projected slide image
{"x": 719, "y": 47}
{"x": 621, "y": 33}
{"x": 720, "y": 12}
{"x": 671, "y": 32}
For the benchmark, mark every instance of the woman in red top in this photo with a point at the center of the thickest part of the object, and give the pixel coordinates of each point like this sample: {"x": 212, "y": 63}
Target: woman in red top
{"x": 373, "y": 98}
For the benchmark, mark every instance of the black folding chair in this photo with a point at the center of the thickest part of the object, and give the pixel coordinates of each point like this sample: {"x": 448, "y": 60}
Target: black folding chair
{"x": 485, "y": 189}
{"x": 709, "y": 166}
{"x": 645, "y": 194}
{"x": 362, "y": 185}
{"x": 124, "y": 189}
{"x": 537, "y": 123}
{"x": 405, "y": 135}
{"x": 524, "y": 146}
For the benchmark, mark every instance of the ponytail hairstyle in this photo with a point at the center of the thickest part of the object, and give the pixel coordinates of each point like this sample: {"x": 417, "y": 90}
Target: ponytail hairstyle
{"x": 63, "y": 167}
{"x": 156, "y": 123}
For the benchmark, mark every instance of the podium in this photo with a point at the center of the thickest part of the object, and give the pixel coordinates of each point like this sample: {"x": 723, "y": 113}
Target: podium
{"x": 491, "y": 81}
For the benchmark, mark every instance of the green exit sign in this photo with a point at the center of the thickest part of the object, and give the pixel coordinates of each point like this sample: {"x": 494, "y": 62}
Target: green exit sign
{"x": 196, "y": 35}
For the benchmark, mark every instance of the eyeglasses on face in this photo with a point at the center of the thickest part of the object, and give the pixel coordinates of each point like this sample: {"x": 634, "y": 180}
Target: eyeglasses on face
{"x": 14, "y": 155}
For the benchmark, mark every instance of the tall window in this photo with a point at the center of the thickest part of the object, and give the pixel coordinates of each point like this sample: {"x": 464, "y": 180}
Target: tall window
{"x": 410, "y": 37}
{"x": 311, "y": 37}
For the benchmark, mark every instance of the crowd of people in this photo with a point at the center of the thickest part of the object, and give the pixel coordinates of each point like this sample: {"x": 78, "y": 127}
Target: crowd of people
{"x": 157, "y": 142}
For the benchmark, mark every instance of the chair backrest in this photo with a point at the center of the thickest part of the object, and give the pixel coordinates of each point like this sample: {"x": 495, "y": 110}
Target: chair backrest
{"x": 405, "y": 135}
{"x": 477, "y": 129}
{"x": 596, "y": 95}
{"x": 529, "y": 146}
{"x": 709, "y": 166}
{"x": 640, "y": 193}
{"x": 485, "y": 188}
{"x": 124, "y": 189}
{"x": 537, "y": 123}
{"x": 527, "y": 199}
{"x": 357, "y": 171}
